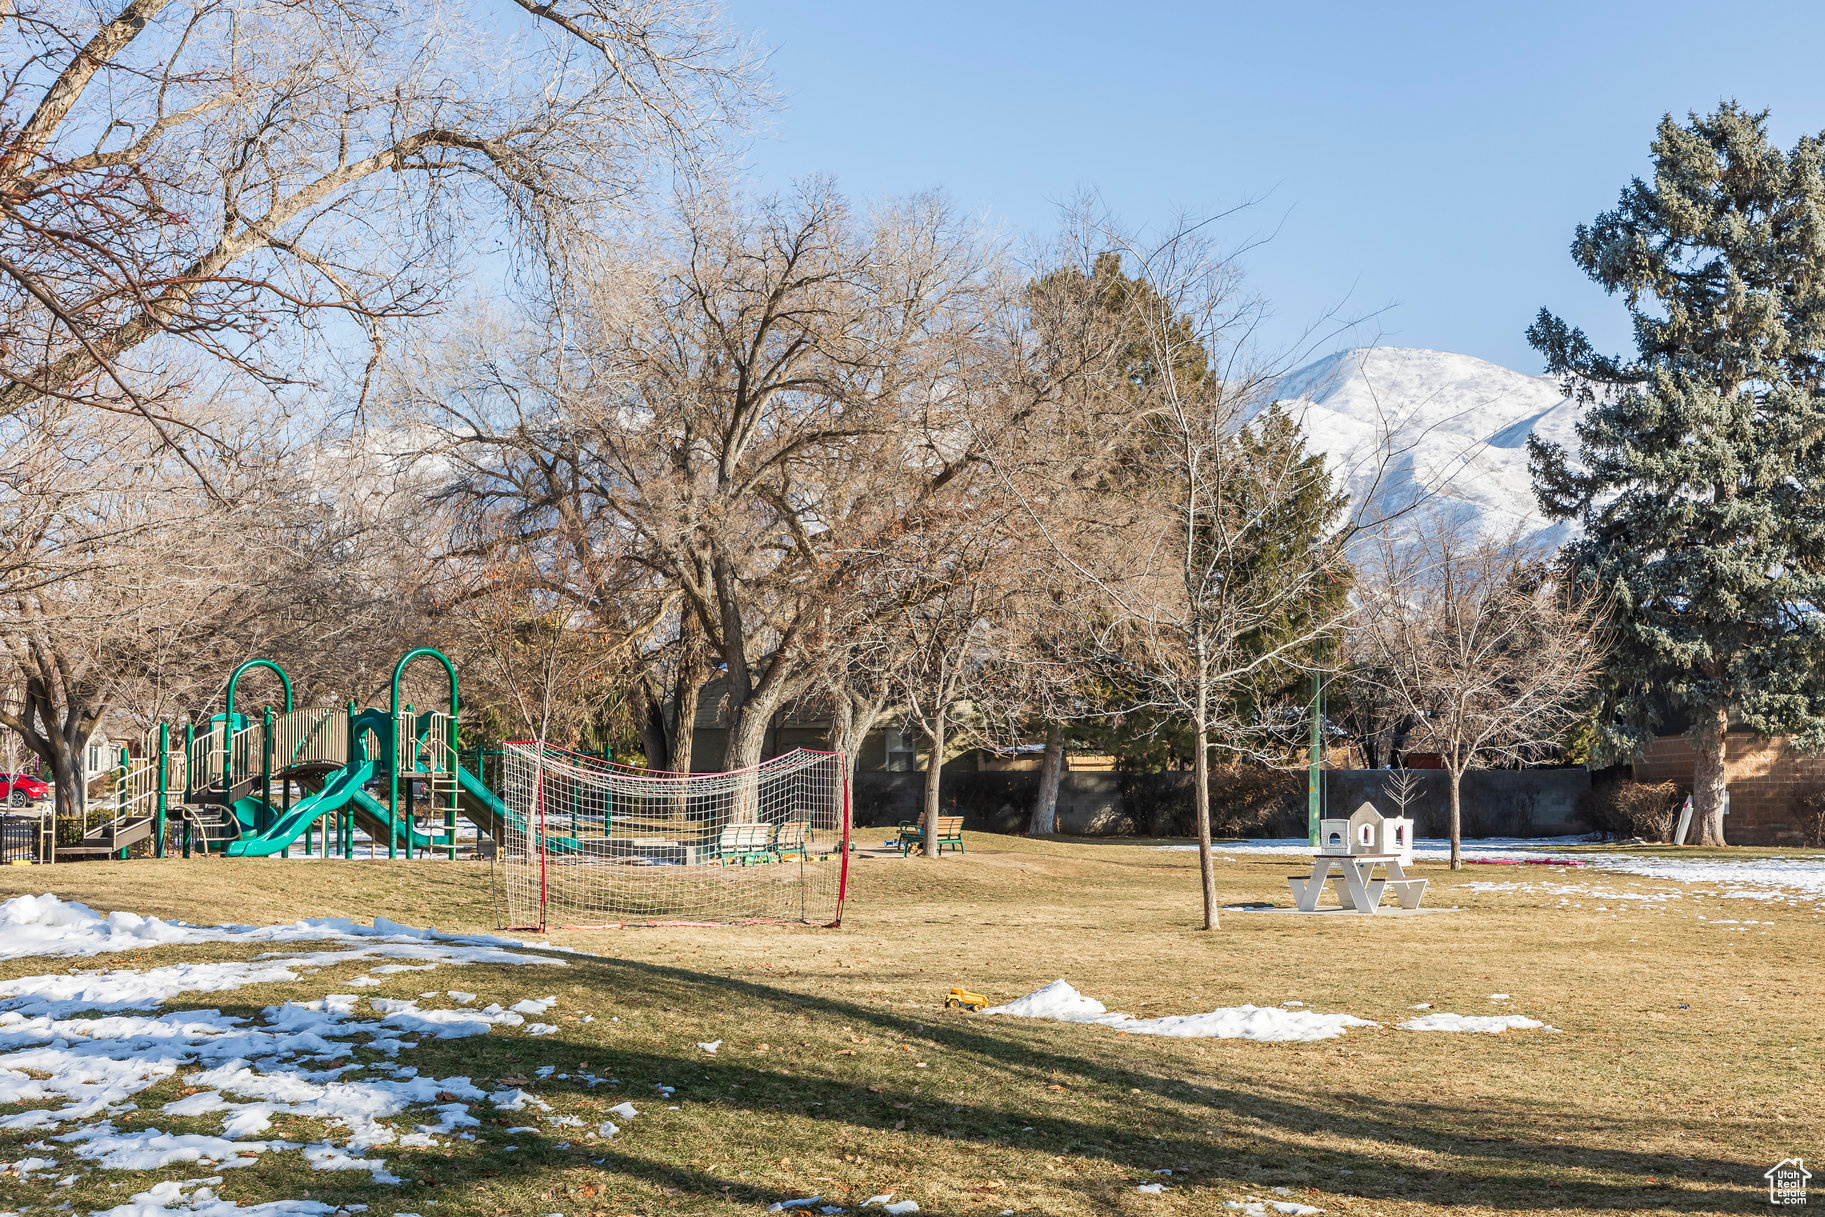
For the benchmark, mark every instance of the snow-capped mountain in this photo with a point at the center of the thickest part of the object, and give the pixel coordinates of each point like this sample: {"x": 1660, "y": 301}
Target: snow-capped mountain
{"x": 1399, "y": 422}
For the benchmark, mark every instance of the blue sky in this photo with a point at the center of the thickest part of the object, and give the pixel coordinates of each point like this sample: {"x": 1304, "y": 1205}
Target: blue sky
{"x": 1426, "y": 160}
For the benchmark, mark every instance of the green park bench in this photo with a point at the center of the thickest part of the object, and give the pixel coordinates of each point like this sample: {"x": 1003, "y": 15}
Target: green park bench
{"x": 741, "y": 844}
{"x": 950, "y": 832}
{"x": 790, "y": 840}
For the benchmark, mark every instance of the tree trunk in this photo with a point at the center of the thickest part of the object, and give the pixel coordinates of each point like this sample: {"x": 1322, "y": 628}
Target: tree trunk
{"x": 1456, "y": 775}
{"x": 842, "y": 738}
{"x": 651, "y": 724}
{"x": 1045, "y": 804}
{"x": 687, "y": 691}
{"x": 747, "y": 737}
{"x": 934, "y": 767}
{"x": 682, "y": 737}
{"x": 747, "y": 711}
{"x": 1708, "y": 780}
{"x": 56, "y": 735}
{"x": 72, "y": 795}
{"x": 851, "y": 719}
{"x": 1206, "y": 864}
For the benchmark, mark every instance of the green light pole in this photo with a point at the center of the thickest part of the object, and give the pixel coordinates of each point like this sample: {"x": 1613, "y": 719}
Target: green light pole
{"x": 1312, "y": 800}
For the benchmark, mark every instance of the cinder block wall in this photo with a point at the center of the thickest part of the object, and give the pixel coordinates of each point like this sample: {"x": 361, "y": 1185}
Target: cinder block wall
{"x": 1496, "y": 802}
{"x": 1766, "y": 777}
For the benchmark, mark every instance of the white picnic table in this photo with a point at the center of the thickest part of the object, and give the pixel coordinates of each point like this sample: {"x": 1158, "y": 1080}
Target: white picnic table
{"x": 1357, "y": 887}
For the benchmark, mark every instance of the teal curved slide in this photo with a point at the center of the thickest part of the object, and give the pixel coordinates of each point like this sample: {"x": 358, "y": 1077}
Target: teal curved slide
{"x": 485, "y": 809}
{"x": 346, "y": 788}
{"x": 247, "y": 811}
{"x": 482, "y": 806}
{"x": 342, "y": 788}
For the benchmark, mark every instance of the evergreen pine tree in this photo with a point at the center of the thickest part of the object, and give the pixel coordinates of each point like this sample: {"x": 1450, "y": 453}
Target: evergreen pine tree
{"x": 1701, "y": 461}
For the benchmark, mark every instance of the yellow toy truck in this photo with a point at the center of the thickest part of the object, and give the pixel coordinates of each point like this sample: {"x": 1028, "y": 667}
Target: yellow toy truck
{"x": 964, "y": 999}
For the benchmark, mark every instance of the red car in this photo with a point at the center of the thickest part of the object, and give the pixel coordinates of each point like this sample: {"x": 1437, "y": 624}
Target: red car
{"x": 20, "y": 789}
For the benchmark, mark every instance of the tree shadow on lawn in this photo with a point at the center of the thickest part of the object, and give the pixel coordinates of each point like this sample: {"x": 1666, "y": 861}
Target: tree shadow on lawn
{"x": 1512, "y": 1167}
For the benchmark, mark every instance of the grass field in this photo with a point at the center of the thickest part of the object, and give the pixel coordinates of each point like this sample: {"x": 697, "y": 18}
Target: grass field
{"x": 1689, "y": 1063}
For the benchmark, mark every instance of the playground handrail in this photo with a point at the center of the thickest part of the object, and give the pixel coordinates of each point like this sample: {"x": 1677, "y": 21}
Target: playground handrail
{"x": 439, "y": 757}
{"x": 311, "y": 737}
{"x": 208, "y": 752}
{"x": 249, "y": 750}
{"x": 138, "y": 791}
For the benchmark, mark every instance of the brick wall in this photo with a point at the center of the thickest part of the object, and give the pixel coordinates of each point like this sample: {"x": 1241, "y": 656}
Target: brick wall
{"x": 1765, "y": 776}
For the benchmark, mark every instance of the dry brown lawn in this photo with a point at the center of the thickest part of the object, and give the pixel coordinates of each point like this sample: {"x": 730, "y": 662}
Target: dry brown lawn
{"x": 1689, "y": 1060}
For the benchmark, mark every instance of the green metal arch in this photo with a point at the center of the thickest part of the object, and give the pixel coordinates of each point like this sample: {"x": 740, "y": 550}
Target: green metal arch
{"x": 399, "y": 670}
{"x": 398, "y": 751}
{"x": 235, "y": 679}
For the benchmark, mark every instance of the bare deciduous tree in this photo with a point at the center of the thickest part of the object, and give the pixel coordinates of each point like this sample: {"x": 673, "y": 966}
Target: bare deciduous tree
{"x": 953, "y": 600}
{"x": 1490, "y": 657}
{"x": 748, "y": 412}
{"x": 541, "y": 656}
{"x": 859, "y": 653}
{"x": 223, "y": 172}
{"x": 1169, "y": 496}
{"x": 130, "y": 588}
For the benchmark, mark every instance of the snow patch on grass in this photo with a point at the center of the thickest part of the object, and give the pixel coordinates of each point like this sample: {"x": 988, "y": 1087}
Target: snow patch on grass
{"x": 171, "y": 1197}
{"x": 1747, "y": 879}
{"x": 47, "y": 925}
{"x": 1775, "y": 878}
{"x": 89, "y": 1069}
{"x": 1426, "y": 849}
{"x": 1493, "y": 1024}
{"x": 1271, "y": 1024}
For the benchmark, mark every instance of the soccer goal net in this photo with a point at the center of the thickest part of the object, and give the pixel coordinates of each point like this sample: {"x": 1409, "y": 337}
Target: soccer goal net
{"x": 589, "y": 843}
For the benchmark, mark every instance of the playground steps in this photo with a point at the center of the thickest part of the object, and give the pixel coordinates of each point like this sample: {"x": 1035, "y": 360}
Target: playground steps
{"x": 107, "y": 840}
{"x": 211, "y": 825}
{"x": 244, "y": 787}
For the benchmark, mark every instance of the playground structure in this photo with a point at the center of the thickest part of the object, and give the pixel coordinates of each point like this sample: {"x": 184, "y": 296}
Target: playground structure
{"x": 226, "y": 785}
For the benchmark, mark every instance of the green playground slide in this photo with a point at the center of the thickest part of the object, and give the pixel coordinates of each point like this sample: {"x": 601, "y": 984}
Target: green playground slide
{"x": 338, "y": 789}
{"x": 485, "y": 809}
{"x": 481, "y": 805}
{"x": 247, "y": 811}
{"x": 342, "y": 788}
{"x": 371, "y": 815}
{"x": 345, "y": 788}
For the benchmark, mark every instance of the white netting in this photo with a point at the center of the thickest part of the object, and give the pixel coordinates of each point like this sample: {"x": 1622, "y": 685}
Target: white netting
{"x": 589, "y": 843}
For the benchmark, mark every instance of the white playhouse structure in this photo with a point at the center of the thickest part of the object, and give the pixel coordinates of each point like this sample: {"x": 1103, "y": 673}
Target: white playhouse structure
{"x": 1367, "y": 831}
{"x": 1349, "y": 852}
